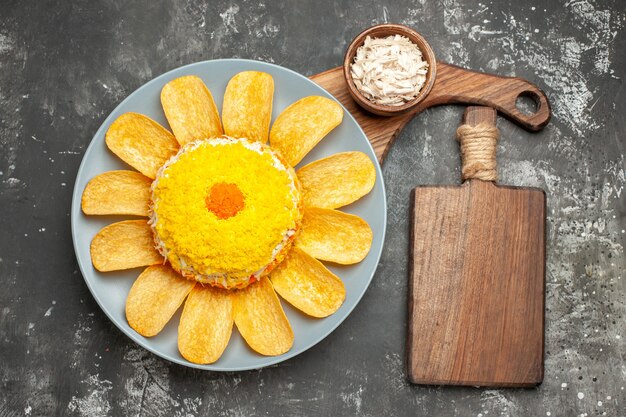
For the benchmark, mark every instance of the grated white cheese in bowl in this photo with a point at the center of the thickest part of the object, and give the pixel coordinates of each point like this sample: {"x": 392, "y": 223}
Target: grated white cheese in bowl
{"x": 389, "y": 71}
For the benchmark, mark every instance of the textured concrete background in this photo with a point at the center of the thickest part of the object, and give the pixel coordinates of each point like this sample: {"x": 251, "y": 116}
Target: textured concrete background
{"x": 65, "y": 65}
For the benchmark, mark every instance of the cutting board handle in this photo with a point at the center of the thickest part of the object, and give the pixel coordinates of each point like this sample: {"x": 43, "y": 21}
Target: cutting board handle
{"x": 478, "y": 137}
{"x": 459, "y": 85}
{"x": 475, "y": 115}
{"x": 452, "y": 85}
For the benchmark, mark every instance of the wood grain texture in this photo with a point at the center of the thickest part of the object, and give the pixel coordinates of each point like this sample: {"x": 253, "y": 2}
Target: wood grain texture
{"x": 476, "y": 289}
{"x": 452, "y": 85}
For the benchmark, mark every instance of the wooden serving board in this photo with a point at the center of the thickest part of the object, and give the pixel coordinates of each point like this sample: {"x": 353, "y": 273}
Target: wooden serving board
{"x": 453, "y": 85}
{"x": 476, "y": 289}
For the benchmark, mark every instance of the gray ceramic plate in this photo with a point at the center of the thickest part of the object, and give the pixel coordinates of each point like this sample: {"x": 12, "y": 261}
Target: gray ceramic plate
{"x": 110, "y": 289}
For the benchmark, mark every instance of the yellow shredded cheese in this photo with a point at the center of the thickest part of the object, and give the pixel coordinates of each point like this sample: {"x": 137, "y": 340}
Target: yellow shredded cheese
{"x": 232, "y": 249}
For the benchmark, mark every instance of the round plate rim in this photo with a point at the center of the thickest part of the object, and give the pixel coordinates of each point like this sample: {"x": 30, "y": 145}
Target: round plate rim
{"x": 134, "y": 336}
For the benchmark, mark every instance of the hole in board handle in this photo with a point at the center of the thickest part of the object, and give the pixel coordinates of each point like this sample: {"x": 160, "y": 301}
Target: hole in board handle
{"x": 527, "y": 102}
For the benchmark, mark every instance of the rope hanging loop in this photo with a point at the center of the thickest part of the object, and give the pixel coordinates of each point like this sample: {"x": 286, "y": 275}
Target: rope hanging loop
{"x": 478, "y": 151}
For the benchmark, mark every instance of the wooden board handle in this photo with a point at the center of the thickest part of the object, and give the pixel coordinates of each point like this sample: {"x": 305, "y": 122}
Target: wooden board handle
{"x": 478, "y": 139}
{"x": 452, "y": 85}
{"x": 459, "y": 85}
{"x": 475, "y": 115}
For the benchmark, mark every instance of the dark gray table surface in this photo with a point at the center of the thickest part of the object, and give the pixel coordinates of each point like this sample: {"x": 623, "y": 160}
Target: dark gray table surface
{"x": 65, "y": 65}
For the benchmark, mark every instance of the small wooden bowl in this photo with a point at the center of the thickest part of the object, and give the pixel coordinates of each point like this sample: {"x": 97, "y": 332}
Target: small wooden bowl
{"x": 381, "y": 31}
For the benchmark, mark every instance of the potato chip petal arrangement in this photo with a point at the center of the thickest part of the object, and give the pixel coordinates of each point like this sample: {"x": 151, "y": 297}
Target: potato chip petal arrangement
{"x": 333, "y": 236}
{"x": 247, "y": 109}
{"x": 190, "y": 109}
{"x": 117, "y": 192}
{"x": 302, "y": 125}
{"x": 261, "y": 320}
{"x": 206, "y": 324}
{"x": 310, "y": 230}
{"x": 141, "y": 142}
{"x": 154, "y": 298}
{"x": 124, "y": 245}
{"x": 337, "y": 180}
{"x": 307, "y": 285}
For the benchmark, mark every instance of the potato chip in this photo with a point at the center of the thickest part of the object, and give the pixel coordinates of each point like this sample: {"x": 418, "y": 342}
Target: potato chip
{"x": 337, "y": 180}
{"x": 302, "y": 125}
{"x": 124, "y": 245}
{"x": 206, "y": 324}
{"x": 308, "y": 285}
{"x": 331, "y": 235}
{"x": 141, "y": 142}
{"x": 117, "y": 192}
{"x": 154, "y": 298}
{"x": 247, "y": 108}
{"x": 261, "y": 320}
{"x": 190, "y": 109}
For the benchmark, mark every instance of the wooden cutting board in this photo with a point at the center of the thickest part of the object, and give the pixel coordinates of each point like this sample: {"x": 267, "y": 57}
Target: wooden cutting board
{"x": 476, "y": 289}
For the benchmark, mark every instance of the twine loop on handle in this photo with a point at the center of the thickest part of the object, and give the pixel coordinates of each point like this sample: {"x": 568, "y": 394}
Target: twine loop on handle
{"x": 478, "y": 151}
